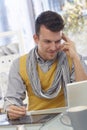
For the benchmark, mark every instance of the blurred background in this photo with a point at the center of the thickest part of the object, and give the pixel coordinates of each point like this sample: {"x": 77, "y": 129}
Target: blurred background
{"x": 20, "y": 15}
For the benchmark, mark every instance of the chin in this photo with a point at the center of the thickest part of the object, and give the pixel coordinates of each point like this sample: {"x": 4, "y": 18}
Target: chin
{"x": 51, "y": 58}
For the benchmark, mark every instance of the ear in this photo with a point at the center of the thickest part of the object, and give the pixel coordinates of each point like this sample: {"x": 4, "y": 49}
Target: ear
{"x": 36, "y": 38}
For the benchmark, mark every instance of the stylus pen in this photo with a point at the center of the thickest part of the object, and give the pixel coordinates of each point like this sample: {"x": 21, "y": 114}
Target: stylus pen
{"x": 13, "y": 102}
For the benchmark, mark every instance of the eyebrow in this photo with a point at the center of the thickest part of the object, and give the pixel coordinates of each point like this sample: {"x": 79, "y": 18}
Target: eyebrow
{"x": 58, "y": 40}
{"x": 52, "y": 41}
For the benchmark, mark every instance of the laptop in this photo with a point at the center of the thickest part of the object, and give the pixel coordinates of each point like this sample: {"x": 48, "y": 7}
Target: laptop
{"x": 77, "y": 93}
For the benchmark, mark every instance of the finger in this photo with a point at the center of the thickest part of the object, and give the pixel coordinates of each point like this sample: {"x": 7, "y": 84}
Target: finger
{"x": 65, "y": 38}
{"x": 19, "y": 108}
{"x": 65, "y": 44}
{"x": 16, "y": 110}
{"x": 65, "y": 49}
{"x": 14, "y": 116}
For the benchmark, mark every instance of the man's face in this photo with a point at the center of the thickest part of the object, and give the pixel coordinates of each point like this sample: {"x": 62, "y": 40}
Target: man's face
{"x": 48, "y": 43}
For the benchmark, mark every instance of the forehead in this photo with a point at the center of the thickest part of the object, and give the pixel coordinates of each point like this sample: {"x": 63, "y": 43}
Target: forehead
{"x": 46, "y": 33}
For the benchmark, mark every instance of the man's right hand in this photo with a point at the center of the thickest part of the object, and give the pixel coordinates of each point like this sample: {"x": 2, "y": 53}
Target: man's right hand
{"x": 15, "y": 112}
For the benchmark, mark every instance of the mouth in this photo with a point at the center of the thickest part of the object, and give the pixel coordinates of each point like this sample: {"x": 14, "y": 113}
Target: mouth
{"x": 53, "y": 52}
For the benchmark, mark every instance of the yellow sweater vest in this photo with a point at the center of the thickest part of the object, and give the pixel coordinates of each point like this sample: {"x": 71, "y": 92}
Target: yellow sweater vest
{"x": 46, "y": 79}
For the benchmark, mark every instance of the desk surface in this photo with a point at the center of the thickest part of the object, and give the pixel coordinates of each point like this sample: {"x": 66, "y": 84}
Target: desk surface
{"x": 55, "y": 124}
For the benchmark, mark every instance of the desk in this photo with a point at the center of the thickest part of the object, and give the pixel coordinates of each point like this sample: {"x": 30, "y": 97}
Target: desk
{"x": 53, "y": 124}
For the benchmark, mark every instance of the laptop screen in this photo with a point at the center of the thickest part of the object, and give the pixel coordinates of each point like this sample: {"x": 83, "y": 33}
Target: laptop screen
{"x": 77, "y": 93}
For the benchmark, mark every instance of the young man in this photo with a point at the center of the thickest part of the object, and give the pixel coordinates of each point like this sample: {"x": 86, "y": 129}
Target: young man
{"x": 45, "y": 71}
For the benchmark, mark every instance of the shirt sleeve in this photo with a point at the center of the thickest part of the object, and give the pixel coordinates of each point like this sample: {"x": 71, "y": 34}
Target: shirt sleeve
{"x": 72, "y": 74}
{"x": 83, "y": 63}
{"x": 16, "y": 91}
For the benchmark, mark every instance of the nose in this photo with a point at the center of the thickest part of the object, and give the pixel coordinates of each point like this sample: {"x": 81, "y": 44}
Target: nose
{"x": 54, "y": 46}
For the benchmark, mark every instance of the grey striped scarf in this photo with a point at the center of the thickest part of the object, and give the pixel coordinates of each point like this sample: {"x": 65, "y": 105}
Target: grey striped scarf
{"x": 61, "y": 76}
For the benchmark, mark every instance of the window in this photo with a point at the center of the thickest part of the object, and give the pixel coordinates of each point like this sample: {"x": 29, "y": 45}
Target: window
{"x": 14, "y": 16}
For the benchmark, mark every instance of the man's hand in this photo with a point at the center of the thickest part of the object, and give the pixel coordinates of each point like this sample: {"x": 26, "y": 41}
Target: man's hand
{"x": 15, "y": 112}
{"x": 68, "y": 47}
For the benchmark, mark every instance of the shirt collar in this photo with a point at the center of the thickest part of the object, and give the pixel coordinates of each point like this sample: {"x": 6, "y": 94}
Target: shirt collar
{"x": 41, "y": 61}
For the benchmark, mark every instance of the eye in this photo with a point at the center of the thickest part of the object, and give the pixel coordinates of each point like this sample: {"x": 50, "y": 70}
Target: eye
{"x": 58, "y": 42}
{"x": 48, "y": 41}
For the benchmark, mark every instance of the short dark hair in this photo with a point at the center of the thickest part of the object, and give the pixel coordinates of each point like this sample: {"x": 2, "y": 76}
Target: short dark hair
{"x": 51, "y": 20}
